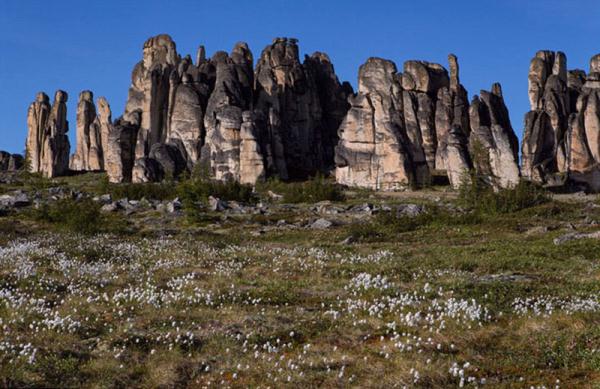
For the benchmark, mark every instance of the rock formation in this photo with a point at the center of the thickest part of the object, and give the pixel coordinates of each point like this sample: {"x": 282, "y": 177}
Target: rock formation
{"x": 544, "y": 149}
{"x": 584, "y": 140}
{"x": 37, "y": 122}
{"x": 88, "y": 152}
{"x": 10, "y": 162}
{"x": 294, "y": 110}
{"x": 293, "y": 119}
{"x": 493, "y": 143}
{"x": 400, "y": 126}
{"x": 252, "y": 160}
{"x": 119, "y": 157}
{"x": 230, "y": 97}
{"x": 299, "y": 137}
{"x": 103, "y": 127}
{"x": 47, "y": 145}
{"x": 372, "y": 151}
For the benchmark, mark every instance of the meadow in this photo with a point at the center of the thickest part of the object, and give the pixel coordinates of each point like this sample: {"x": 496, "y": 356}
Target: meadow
{"x": 452, "y": 296}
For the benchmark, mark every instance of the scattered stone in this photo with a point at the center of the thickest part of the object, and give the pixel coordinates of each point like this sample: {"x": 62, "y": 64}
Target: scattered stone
{"x": 321, "y": 224}
{"x": 274, "y": 196}
{"x": 173, "y": 206}
{"x": 410, "y": 210}
{"x": 575, "y": 236}
{"x": 110, "y": 207}
{"x": 17, "y": 199}
{"x": 216, "y": 204}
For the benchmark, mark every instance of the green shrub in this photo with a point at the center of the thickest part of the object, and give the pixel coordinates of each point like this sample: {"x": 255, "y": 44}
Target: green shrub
{"x": 165, "y": 190}
{"x": 478, "y": 195}
{"x": 313, "y": 190}
{"x": 83, "y": 216}
{"x": 386, "y": 225}
{"x": 196, "y": 190}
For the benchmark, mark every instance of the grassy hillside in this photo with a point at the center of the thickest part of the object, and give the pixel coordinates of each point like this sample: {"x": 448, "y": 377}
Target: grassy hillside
{"x": 454, "y": 296}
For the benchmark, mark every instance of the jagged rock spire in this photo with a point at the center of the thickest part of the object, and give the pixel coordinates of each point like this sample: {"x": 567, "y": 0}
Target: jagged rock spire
{"x": 47, "y": 142}
{"x": 493, "y": 143}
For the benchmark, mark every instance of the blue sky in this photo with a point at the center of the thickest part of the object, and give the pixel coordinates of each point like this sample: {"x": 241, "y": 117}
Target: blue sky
{"x": 76, "y": 45}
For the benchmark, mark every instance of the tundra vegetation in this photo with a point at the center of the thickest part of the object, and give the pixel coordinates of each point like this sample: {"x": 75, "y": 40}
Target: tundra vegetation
{"x": 199, "y": 284}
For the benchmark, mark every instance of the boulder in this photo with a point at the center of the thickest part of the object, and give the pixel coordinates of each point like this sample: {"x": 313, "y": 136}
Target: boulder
{"x": 409, "y": 210}
{"x": 321, "y": 224}
{"x": 16, "y": 199}
{"x": 216, "y": 205}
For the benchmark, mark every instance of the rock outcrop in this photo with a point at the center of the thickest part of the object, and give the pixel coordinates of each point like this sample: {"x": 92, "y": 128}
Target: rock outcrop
{"x": 292, "y": 118}
{"x": 372, "y": 152}
{"x": 88, "y": 151}
{"x": 150, "y": 91}
{"x": 493, "y": 144}
{"x": 299, "y": 137}
{"x": 545, "y": 145}
{"x": 223, "y": 120}
{"x": 252, "y": 159}
{"x": 119, "y": 157}
{"x": 37, "y": 123}
{"x": 47, "y": 145}
{"x": 403, "y": 126}
{"x": 584, "y": 140}
{"x": 10, "y": 162}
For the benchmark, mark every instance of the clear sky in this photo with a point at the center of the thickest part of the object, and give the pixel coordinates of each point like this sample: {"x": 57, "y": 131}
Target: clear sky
{"x": 76, "y": 45}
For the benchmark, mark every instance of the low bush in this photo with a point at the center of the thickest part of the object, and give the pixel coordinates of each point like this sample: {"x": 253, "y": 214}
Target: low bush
{"x": 165, "y": 190}
{"x": 386, "y": 225}
{"x": 83, "y": 216}
{"x": 481, "y": 197}
{"x": 313, "y": 190}
{"x": 196, "y": 190}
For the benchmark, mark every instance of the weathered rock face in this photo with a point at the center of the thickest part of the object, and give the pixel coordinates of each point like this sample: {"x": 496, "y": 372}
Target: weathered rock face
{"x": 252, "y": 160}
{"x": 422, "y": 109}
{"x": 584, "y": 155}
{"x": 457, "y": 157}
{"x": 10, "y": 162}
{"x": 333, "y": 97}
{"x": 372, "y": 151}
{"x": 223, "y": 119}
{"x": 47, "y": 142}
{"x": 493, "y": 144}
{"x": 171, "y": 95}
{"x": 288, "y": 97}
{"x": 120, "y": 148}
{"x": 551, "y": 87}
{"x": 146, "y": 170}
{"x": 150, "y": 91}
{"x": 88, "y": 153}
{"x": 37, "y": 123}
{"x": 56, "y": 144}
{"x": 452, "y": 111}
{"x": 103, "y": 127}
